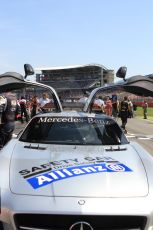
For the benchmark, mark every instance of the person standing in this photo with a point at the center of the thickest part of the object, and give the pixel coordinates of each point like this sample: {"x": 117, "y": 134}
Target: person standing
{"x": 134, "y": 109}
{"x": 34, "y": 106}
{"x": 124, "y": 112}
{"x": 43, "y": 101}
{"x": 108, "y": 106}
{"x": 23, "y": 105}
{"x": 8, "y": 110}
{"x": 99, "y": 104}
{"x": 115, "y": 106}
{"x": 145, "y": 109}
{"x": 83, "y": 99}
{"x": 130, "y": 108}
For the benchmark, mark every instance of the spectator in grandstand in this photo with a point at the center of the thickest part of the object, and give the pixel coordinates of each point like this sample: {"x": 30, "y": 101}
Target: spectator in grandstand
{"x": 108, "y": 106}
{"x": 83, "y": 99}
{"x": 145, "y": 109}
{"x": 43, "y": 101}
{"x": 23, "y": 106}
{"x": 99, "y": 105}
{"x": 68, "y": 100}
{"x": 61, "y": 100}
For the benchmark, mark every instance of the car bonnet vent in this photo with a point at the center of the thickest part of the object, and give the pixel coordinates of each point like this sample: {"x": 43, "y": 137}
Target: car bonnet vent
{"x": 111, "y": 148}
{"x": 34, "y": 147}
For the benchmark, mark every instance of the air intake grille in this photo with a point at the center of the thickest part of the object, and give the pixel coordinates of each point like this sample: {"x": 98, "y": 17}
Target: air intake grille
{"x": 64, "y": 222}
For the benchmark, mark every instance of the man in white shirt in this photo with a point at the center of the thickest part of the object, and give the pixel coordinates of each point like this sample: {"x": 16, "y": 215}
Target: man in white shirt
{"x": 23, "y": 105}
{"x": 99, "y": 103}
{"x": 43, "y": 101}
{"x": 83, "y": 99}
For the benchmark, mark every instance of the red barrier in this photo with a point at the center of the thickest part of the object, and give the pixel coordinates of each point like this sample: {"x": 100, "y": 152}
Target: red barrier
{"x": 139, "y": 103}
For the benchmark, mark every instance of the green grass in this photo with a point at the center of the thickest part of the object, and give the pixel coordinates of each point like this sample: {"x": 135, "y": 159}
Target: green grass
{"x": 139, "y": 113}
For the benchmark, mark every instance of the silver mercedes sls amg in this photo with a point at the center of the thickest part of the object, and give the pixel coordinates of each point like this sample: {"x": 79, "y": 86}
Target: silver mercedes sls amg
{"x": 70, "y": 170}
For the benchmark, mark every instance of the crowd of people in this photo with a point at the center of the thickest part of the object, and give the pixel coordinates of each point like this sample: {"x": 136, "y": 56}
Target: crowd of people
{"x": 123, "y": 109}
{"x": 12, "y": 109}
{"x": 111, "y": 106}
{"x": 23, "y": 110}
{"x": 29, "y": 108}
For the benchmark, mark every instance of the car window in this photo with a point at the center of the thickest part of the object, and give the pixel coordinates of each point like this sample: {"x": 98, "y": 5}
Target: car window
{"x": 70, "y": 130}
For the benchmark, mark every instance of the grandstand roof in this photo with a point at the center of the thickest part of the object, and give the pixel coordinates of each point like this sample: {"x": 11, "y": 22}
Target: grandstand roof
{"x": 70, "y": 67}
{"x": 149, "y": 76}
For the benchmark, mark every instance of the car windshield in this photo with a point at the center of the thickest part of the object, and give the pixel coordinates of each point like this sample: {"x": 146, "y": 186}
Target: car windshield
{"x": 74, "y": 130}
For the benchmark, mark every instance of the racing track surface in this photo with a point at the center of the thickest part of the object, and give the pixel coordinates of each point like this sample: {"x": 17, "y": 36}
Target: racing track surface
{"x": 141, "y": 131}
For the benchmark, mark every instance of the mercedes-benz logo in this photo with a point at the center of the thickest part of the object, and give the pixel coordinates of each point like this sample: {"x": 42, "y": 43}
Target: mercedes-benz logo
{"x": 81, "y": 226}
{"x": 81, "y": 202}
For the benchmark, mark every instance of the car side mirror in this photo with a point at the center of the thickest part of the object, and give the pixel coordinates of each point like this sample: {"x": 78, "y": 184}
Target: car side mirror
{"x": 28, "y": 70}
{"x": 121, "y": 73}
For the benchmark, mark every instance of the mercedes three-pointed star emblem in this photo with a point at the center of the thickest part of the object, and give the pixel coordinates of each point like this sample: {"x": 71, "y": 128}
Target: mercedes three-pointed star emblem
{"x": 81, "y": 226}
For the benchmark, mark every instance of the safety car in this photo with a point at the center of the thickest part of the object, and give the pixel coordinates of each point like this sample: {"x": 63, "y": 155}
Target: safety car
{"x": 75, "y": 171}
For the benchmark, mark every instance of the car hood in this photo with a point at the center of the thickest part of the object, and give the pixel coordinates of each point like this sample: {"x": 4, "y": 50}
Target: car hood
{"x": 78, "y": 171}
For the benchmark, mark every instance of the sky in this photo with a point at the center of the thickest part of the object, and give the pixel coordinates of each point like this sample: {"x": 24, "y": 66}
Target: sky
{"x": 49, "y": 33}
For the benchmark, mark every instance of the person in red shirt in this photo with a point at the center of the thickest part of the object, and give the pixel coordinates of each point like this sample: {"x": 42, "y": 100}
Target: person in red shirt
{"x": 108, "y": 106}
{"x": 34, "y": 105}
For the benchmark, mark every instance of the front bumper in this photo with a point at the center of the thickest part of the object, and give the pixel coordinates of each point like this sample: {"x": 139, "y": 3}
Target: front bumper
{"x": 60, "y": 213}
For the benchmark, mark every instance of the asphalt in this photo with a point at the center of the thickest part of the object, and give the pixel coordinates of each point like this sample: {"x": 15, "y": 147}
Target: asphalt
{"x": 19, "y": 127}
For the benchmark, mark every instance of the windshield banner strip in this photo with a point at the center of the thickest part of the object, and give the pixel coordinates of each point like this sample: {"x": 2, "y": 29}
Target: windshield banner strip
{"x": 90, "y": 120}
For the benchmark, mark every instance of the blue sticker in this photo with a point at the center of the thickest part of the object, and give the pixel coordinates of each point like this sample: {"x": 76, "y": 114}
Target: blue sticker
{"x": 65, "y": 173}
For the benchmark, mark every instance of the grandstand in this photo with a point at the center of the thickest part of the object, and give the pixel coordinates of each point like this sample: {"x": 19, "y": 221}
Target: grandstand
{"x": 74, "y": 81}
{"x": 149, "y": 76}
